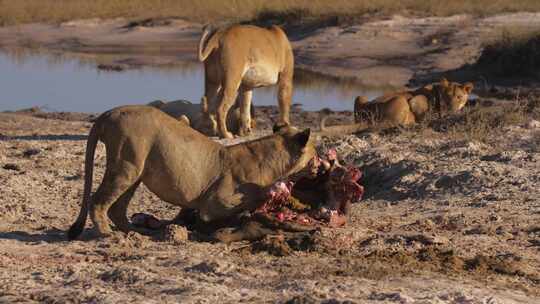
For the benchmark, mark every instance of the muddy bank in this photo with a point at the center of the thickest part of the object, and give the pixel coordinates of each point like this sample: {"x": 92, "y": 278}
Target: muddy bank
{"x": 392, "y": 51}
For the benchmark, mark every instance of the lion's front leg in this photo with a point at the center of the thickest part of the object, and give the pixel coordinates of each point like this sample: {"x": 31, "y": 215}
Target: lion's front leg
{"x": 227, "y": 199}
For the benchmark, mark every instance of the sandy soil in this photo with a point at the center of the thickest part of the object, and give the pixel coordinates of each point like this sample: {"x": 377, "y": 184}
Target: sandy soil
{"x": 393, "y": 52}
{"x": 443, "y": 221}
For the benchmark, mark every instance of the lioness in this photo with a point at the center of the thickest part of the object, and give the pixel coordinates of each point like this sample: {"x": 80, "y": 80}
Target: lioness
{"x": 405, "y": 107}
{"x": 195, "y": 115}
{"x": 182, "y": 167}
{"x": 238, "y": 59}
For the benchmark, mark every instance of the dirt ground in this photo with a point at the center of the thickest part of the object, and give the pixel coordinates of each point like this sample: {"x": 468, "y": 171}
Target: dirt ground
{"x": 449, "y": 215}
{"x": 444, "y": 220}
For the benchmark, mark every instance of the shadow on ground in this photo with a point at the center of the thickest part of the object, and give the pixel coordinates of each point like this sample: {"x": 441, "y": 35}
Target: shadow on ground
{"x": 44, "y": 137}
{"x": 48, "y": 236}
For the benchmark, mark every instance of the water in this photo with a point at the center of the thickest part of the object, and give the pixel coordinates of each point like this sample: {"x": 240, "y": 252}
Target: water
{"x": 69, "y": 84}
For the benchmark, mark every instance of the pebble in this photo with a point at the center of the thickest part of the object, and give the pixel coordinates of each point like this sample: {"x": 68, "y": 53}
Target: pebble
{"x": 429, "y": 239}
{"x": 533, "y": 124}
{"x": 175, "y": 234}
{"x": 31, "y": 152}
{"x": 13, "y": 167}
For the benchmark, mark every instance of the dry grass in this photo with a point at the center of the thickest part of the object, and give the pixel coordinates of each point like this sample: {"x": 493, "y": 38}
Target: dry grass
{"x": 26, "y": 11}
{"x": 485, "y": 123}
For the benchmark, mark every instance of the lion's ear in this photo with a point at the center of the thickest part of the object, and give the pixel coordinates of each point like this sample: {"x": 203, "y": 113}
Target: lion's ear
{"x": 444, "y": 82}
{"x": 468, "y": 87}
{"x": 302, "y": 138}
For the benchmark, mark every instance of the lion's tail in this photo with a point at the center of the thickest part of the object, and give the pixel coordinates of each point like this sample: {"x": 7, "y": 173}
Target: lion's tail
{"x": 76, "y": 229}
{"x": 339, "y": 129}
{"x": 206, "y": 45}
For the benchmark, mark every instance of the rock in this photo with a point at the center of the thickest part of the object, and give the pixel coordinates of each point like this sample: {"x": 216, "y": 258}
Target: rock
{"x": 175, "y": 234}
{"x": 429, "y": 223}
{"x": 465, "y": 149}
{"x": 477, "y": 230}
{"x": 506, "y": 235}
{"x": 451, "y": 181}
{"x": 134, "y": 239}
{"x": 494, "y": 218}
{"x": 202, "y": 267}
{"x": 504, "y": 156}
{"x": 428, "y": 239}
{"x": 303, "y": 299}
{"x": 274, "y": 245}
{"x": 336, "y": 301}
{"x": 396, "y": 297}
{"x": 217, "y": 267}
{"x": 124, "y": 274}
{"x": 13, "y": 167}
{"x": 534, "y": 242}
{"x": 31, "y": 152}
{"x": 426, "y": 224}
{"x": 533, "y": 124}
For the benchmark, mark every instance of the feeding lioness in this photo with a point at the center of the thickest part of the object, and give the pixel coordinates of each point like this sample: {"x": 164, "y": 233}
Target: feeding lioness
{"x": 195, "y": 115}
{"x": 406, "y": 107}
{"x": 182, "y": 167}
{"x": 238, "y": 59}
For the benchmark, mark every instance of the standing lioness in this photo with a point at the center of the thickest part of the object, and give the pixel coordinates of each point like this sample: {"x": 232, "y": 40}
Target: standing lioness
{"x": 182, "y": 167}
{"x": 238, "y": 59}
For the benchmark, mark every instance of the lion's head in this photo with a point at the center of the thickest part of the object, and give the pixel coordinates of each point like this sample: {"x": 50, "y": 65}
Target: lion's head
{"x": 453, "y": 94}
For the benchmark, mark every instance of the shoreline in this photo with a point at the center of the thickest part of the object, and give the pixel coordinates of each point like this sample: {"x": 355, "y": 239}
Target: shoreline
{"x": 394, "y": 51}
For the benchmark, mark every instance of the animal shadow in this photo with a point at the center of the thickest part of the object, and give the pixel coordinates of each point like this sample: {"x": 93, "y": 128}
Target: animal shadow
{"x": 66, "y": 137}
{"x": 48, "y": 236}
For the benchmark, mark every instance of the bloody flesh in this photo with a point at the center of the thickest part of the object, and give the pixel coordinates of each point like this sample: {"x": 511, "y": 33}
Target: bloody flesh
{"x": 332, "y": 191}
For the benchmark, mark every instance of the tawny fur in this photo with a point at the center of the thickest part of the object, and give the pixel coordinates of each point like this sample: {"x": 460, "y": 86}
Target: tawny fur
{"x": 404, "y": 108}
{"x": 196, "y": 115}
{"x": 182, "y": 167}
{"x": 238, "y": 59}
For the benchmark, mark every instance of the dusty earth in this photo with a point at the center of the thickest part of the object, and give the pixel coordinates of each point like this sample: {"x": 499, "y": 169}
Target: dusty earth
{"x": 444, "y": 220}
{"x": 449, "y": 216}
{"x": 376, "y": 51}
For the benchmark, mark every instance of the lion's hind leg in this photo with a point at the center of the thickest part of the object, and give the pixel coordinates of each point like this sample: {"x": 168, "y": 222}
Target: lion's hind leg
{"x": 117, "y": 181}
{"x": 118, "y": 211}
{"x": 231, "y": 84}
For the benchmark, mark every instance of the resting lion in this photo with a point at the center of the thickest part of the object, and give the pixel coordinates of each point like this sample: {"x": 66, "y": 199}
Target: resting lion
{"x": 182, "y": 167}
{"x": 405, "y": 107}
{"x": 195, "y": 115}
{"x": 238, "y": 59}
